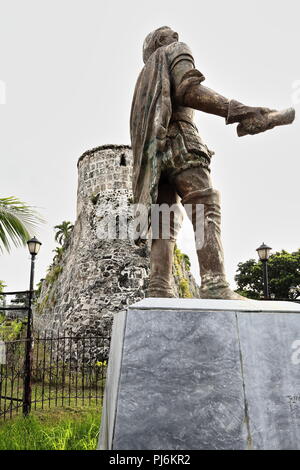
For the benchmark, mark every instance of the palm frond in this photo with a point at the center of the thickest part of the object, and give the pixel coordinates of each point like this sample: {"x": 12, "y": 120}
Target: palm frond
{"x": 18, "y": 222}
{"x": 63, "y": 231}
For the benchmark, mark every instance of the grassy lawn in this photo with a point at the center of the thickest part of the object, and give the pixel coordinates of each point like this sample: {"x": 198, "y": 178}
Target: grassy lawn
{"x": 66, "y": 397}
{"x": 65, "y": 428}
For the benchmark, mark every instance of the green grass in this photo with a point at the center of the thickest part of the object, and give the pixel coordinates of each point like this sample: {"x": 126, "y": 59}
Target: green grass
{"x": 51, "y": 395}
{"x": 52, "y": 389}
{"x": 54, "y": 429}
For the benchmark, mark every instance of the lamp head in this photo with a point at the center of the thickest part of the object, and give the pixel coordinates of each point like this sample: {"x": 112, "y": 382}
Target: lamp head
{"x": 264, "y": 252}
{"x": 33, "y": 246}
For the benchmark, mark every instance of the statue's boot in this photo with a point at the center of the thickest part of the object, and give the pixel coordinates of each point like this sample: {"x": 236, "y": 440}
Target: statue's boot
{"x": 207, "y": 228}
{"x": 161, "y": 262}
{"x": 165, "y": 228}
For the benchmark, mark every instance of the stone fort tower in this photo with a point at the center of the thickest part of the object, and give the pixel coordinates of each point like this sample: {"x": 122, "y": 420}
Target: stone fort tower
{"x": 95, "y": 277}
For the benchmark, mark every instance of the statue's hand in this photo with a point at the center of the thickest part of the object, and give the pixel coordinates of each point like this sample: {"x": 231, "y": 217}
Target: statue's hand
{"x": 255, "y": 122}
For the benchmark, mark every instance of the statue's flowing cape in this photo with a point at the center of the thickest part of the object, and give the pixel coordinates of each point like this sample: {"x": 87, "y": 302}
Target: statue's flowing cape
{"x": 150, "y": 116}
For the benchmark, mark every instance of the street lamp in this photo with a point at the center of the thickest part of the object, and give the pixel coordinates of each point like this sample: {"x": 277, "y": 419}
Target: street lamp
{"x": 264, "y": 254}
{"x": 33, "y": 247}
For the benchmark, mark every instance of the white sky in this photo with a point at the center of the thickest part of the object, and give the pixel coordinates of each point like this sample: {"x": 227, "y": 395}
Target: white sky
{"x": 70, "y": 67}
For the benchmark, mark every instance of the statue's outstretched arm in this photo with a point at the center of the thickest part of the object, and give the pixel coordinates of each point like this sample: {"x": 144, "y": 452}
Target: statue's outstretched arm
{"x": 189, "y": 91}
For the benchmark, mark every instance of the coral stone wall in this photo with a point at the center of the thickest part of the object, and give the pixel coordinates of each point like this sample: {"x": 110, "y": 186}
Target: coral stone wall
{"x": 104, "y": 172}
{"x": 96, "y": 276}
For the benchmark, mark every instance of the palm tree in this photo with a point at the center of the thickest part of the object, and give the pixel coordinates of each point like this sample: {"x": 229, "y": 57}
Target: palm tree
{"x": 59, "y": 250}
{"x": 18, "y": 221}
{"x": 63, "y": 232}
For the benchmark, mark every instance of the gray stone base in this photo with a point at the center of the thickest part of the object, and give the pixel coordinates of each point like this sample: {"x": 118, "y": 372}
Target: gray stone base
{"x": 203, "y": 374}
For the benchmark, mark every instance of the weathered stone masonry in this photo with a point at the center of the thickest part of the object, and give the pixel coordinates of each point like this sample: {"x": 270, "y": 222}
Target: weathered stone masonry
{"x": 97, "y": 277}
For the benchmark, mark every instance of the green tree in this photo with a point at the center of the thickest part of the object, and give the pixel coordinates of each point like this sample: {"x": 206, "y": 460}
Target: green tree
{"x": 63, "y": 232}
{"x": 18, "y": 221}
{"x": 284, "y": 276}
{"x": 59, "y": 250}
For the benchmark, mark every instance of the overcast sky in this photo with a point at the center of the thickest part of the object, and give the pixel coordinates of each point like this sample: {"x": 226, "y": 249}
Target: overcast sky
{"x": 70, "y": 67}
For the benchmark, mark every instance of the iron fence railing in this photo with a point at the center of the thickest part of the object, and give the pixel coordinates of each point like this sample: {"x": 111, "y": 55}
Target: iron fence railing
{"x": 64, "y": 371}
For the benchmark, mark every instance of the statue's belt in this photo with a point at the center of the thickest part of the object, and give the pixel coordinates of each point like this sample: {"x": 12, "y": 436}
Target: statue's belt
{"x": 178, "y": 118}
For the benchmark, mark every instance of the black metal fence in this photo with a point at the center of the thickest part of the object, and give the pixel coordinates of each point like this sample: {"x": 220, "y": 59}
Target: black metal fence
{"x": 64, "y": 371}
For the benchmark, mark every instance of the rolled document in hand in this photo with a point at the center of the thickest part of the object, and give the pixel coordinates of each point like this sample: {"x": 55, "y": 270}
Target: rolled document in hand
{"x": 255, "y": 125}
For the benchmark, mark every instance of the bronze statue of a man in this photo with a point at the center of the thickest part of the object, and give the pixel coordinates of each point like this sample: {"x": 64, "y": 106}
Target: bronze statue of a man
{"x": 170, "y": 159}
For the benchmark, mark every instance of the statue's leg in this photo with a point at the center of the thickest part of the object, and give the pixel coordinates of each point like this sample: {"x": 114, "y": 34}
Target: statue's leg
{"x": 161, "y": 261}
{"x": 162, "y": 246}
{"x": 195, "y": 188}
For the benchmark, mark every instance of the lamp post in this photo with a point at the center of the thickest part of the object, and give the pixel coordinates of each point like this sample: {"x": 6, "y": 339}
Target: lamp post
{"x": 33, "y": 247}
{"x": 264, "y": 254}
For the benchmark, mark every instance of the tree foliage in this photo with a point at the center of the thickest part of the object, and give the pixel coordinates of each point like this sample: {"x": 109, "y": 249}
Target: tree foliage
{"x": 284, "y": 276}
{"x": 18, "y": 221}
{"x": 63, "y": 232}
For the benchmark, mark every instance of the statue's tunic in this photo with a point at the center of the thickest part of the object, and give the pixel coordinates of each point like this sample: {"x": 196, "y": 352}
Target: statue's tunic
{"x": 163, "y": 134}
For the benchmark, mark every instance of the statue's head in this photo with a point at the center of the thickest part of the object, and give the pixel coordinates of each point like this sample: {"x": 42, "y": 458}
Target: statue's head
{"x": 160, "y": 37}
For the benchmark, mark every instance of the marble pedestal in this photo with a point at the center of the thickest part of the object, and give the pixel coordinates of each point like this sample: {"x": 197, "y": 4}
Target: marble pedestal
{"x": 189, "y": 374}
